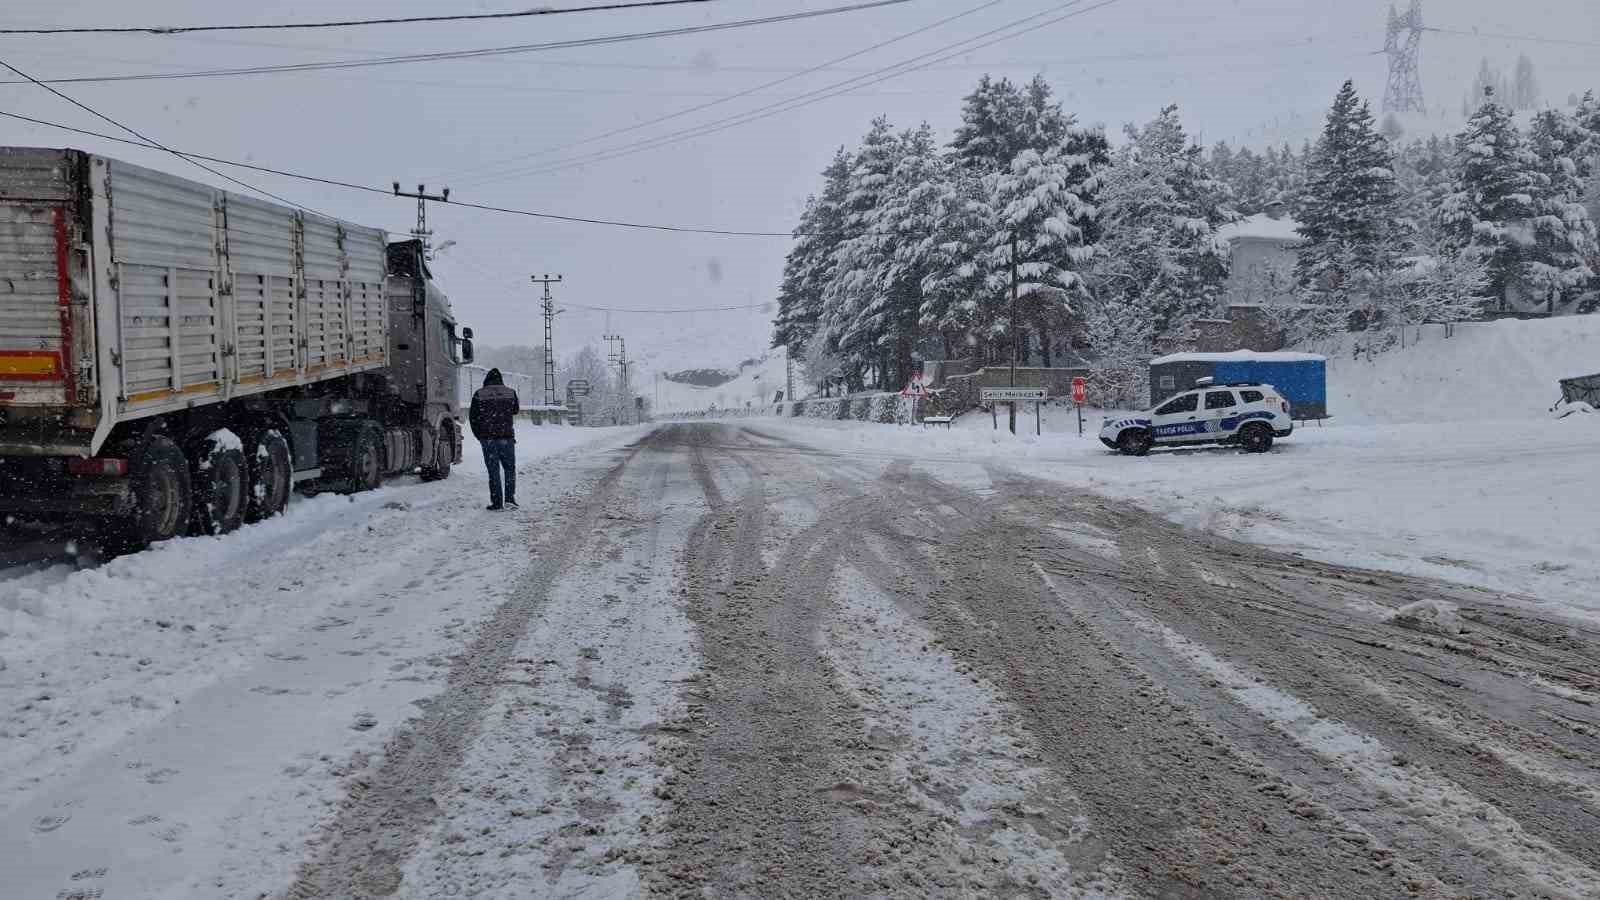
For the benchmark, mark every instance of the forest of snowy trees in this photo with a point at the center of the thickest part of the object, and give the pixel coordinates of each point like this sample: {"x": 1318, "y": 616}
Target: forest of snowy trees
{"x": 912, "y": 249}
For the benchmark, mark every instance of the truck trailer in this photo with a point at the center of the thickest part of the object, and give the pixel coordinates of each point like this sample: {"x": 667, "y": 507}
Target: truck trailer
{"x": 176, "y": 358}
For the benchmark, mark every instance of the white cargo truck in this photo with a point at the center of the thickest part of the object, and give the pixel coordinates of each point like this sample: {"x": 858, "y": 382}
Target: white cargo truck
{"x": 175, "y": 358}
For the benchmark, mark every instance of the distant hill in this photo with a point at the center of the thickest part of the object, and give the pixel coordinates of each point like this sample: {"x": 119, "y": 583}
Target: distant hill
{"x": 705, "y": 378}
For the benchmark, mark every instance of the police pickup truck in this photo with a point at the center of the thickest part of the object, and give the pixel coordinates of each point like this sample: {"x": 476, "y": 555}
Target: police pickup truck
{"x": 1250, "y": 415}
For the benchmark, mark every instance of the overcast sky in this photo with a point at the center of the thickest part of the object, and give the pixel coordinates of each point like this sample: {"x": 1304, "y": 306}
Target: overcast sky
{"x": 1249, "y": 71}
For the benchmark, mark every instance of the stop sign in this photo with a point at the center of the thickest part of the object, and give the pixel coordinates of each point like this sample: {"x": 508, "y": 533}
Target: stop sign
{"x": 1079, "y": 390}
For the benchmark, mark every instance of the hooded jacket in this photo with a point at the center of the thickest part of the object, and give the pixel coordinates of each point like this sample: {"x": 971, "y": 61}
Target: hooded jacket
{"x": 494, "y": 409}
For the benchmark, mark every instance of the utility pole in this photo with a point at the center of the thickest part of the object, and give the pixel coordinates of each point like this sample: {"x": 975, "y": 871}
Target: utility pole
{"x": 549, "y": 307}
{"x": 422, "y": 232}
{"x": 788, "y": 384}
{"x": 619, "y": 355}
{"x": 1016, "y": 332}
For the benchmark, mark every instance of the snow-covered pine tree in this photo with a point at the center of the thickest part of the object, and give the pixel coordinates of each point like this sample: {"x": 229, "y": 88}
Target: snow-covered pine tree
{"x": 1450, "y": 288}
{"x": 1000, "y": 120}
{"x": 808, "y": 267}
{"x": 1349, "y": 213}
{"x": 1251, "y": 185}
{"x": 1587, "y": 117}
{"x": 1221, "y": 162}
{"x": 1042, "y": 235}
{"x": 1121, "y": 338}
{"x": 955, "y": 288}
{"x": 1423, "y": 179}
{"x": 884, "y": 268}
{"x": 1160, "y": 210}
{"x": 1490, "y": 211}
{"x": 991, "y": 124}
{"x": 1558, "y": 268}
{"x": 1044, "y": 123}
{"x": 853, "y": 284}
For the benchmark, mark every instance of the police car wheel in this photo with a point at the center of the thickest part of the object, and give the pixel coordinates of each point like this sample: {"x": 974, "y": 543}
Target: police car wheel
{"x": 1256, "y": 438}
{"x": 1133, "y": 442}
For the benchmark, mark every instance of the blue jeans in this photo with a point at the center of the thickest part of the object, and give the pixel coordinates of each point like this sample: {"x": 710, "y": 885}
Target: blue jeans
{"x": 497, "y": 455}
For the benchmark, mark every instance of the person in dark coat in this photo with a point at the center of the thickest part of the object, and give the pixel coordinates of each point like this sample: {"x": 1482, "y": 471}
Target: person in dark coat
{"x": 494, "y": 410}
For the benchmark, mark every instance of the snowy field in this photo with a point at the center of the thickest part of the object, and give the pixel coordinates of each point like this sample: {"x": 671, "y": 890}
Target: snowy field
{"x": 295, "y": 642}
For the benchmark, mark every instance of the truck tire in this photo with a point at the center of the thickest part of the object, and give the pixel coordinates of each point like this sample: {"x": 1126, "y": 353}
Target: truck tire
{"x": 158, "y": 475}
{"x": 363, "y": 468}
{"x": 269, "y": 474}
{"x": 444, "y": 454}
{"x": 217, "y": 479}
{"x": 1256, "y": 438}
{"x": 1133, "y": 442}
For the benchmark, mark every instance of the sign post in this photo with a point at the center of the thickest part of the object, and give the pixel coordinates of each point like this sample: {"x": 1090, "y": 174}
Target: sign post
{"x": 1080, "y": 392}
{"x": 1012, "y": 395}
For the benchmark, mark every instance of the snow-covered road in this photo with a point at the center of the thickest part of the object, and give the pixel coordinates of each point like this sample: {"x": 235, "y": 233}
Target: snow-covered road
{"x": 758, "y": 659}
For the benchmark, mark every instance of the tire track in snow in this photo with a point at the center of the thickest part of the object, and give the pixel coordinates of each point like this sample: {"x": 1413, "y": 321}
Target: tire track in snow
{"x": 1478, "y": 823}
{"x": 757, "y": 793}
{"x": 360, "y": 852}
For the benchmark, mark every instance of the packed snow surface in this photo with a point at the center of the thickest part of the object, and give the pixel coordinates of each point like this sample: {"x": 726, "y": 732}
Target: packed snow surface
{"x": 1506, "y": 507}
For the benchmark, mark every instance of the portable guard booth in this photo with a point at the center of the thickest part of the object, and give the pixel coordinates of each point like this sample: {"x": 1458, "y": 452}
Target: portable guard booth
{"x": 1300, "y": 377}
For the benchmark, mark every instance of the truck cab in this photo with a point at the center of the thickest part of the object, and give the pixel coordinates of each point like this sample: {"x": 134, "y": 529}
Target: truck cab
{"x": 427, "y": 347}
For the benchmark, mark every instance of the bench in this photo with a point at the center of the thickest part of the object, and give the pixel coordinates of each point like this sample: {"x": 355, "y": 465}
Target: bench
{"x": 937, "y": 420}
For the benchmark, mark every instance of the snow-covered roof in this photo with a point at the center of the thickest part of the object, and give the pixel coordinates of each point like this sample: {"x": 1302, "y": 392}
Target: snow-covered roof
{"x": 1240, "y": 356}
{"x": 1261, "y": 226}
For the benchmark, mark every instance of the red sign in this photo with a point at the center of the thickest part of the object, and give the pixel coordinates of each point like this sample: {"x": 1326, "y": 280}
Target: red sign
{"x": 1079, "y": 390}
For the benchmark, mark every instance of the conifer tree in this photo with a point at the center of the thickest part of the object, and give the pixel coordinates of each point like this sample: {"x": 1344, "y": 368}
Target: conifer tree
{"x": 1564, "y": 236}
{"x": 1489, "y": 213}
{"x": 808, "y": 267}
{"x": 1348, "y": 216}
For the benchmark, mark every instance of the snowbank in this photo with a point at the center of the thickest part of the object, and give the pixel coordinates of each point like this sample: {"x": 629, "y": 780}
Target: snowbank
{"x": 1487, "y": 372}
{"x": 44, "y": 604}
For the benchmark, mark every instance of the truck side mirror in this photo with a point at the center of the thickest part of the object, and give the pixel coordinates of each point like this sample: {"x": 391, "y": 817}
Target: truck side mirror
{"x": 466, "y": 347}
{"x": 466, "y": 333}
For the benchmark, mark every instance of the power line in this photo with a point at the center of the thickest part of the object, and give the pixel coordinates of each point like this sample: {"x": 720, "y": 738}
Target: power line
{"x": 152, "y": 142}
{"x": 474, "y": 85}
{"x": 904, "y": 67}
{"x": 479, "y": 53}
{"x": 1527, "y": 37}
{"x": 731, "y": 97}
{"x": 347, "y": 23}
{"x": 697, "y": 309}
{"x": 334, "y": 182}
{"x": 468, "y": 260}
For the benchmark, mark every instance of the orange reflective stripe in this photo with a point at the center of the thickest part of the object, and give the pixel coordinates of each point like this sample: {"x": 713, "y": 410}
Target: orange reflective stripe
{"x": 30, "y": 365}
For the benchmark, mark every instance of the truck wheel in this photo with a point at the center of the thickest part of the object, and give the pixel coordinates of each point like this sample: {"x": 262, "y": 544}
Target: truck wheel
{"x": 269, "y": 475}
{"x": 1256, "y": 438}
{"x": 158, "y": 475}
{"x": 217, "y": 477}
{"x": 444, "y": 453}
{"x": 1133, "y": 442}
{"x": 364, "y": 468}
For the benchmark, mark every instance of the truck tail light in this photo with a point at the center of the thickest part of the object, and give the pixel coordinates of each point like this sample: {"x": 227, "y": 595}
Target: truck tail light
{"x": 98, "y": 466}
